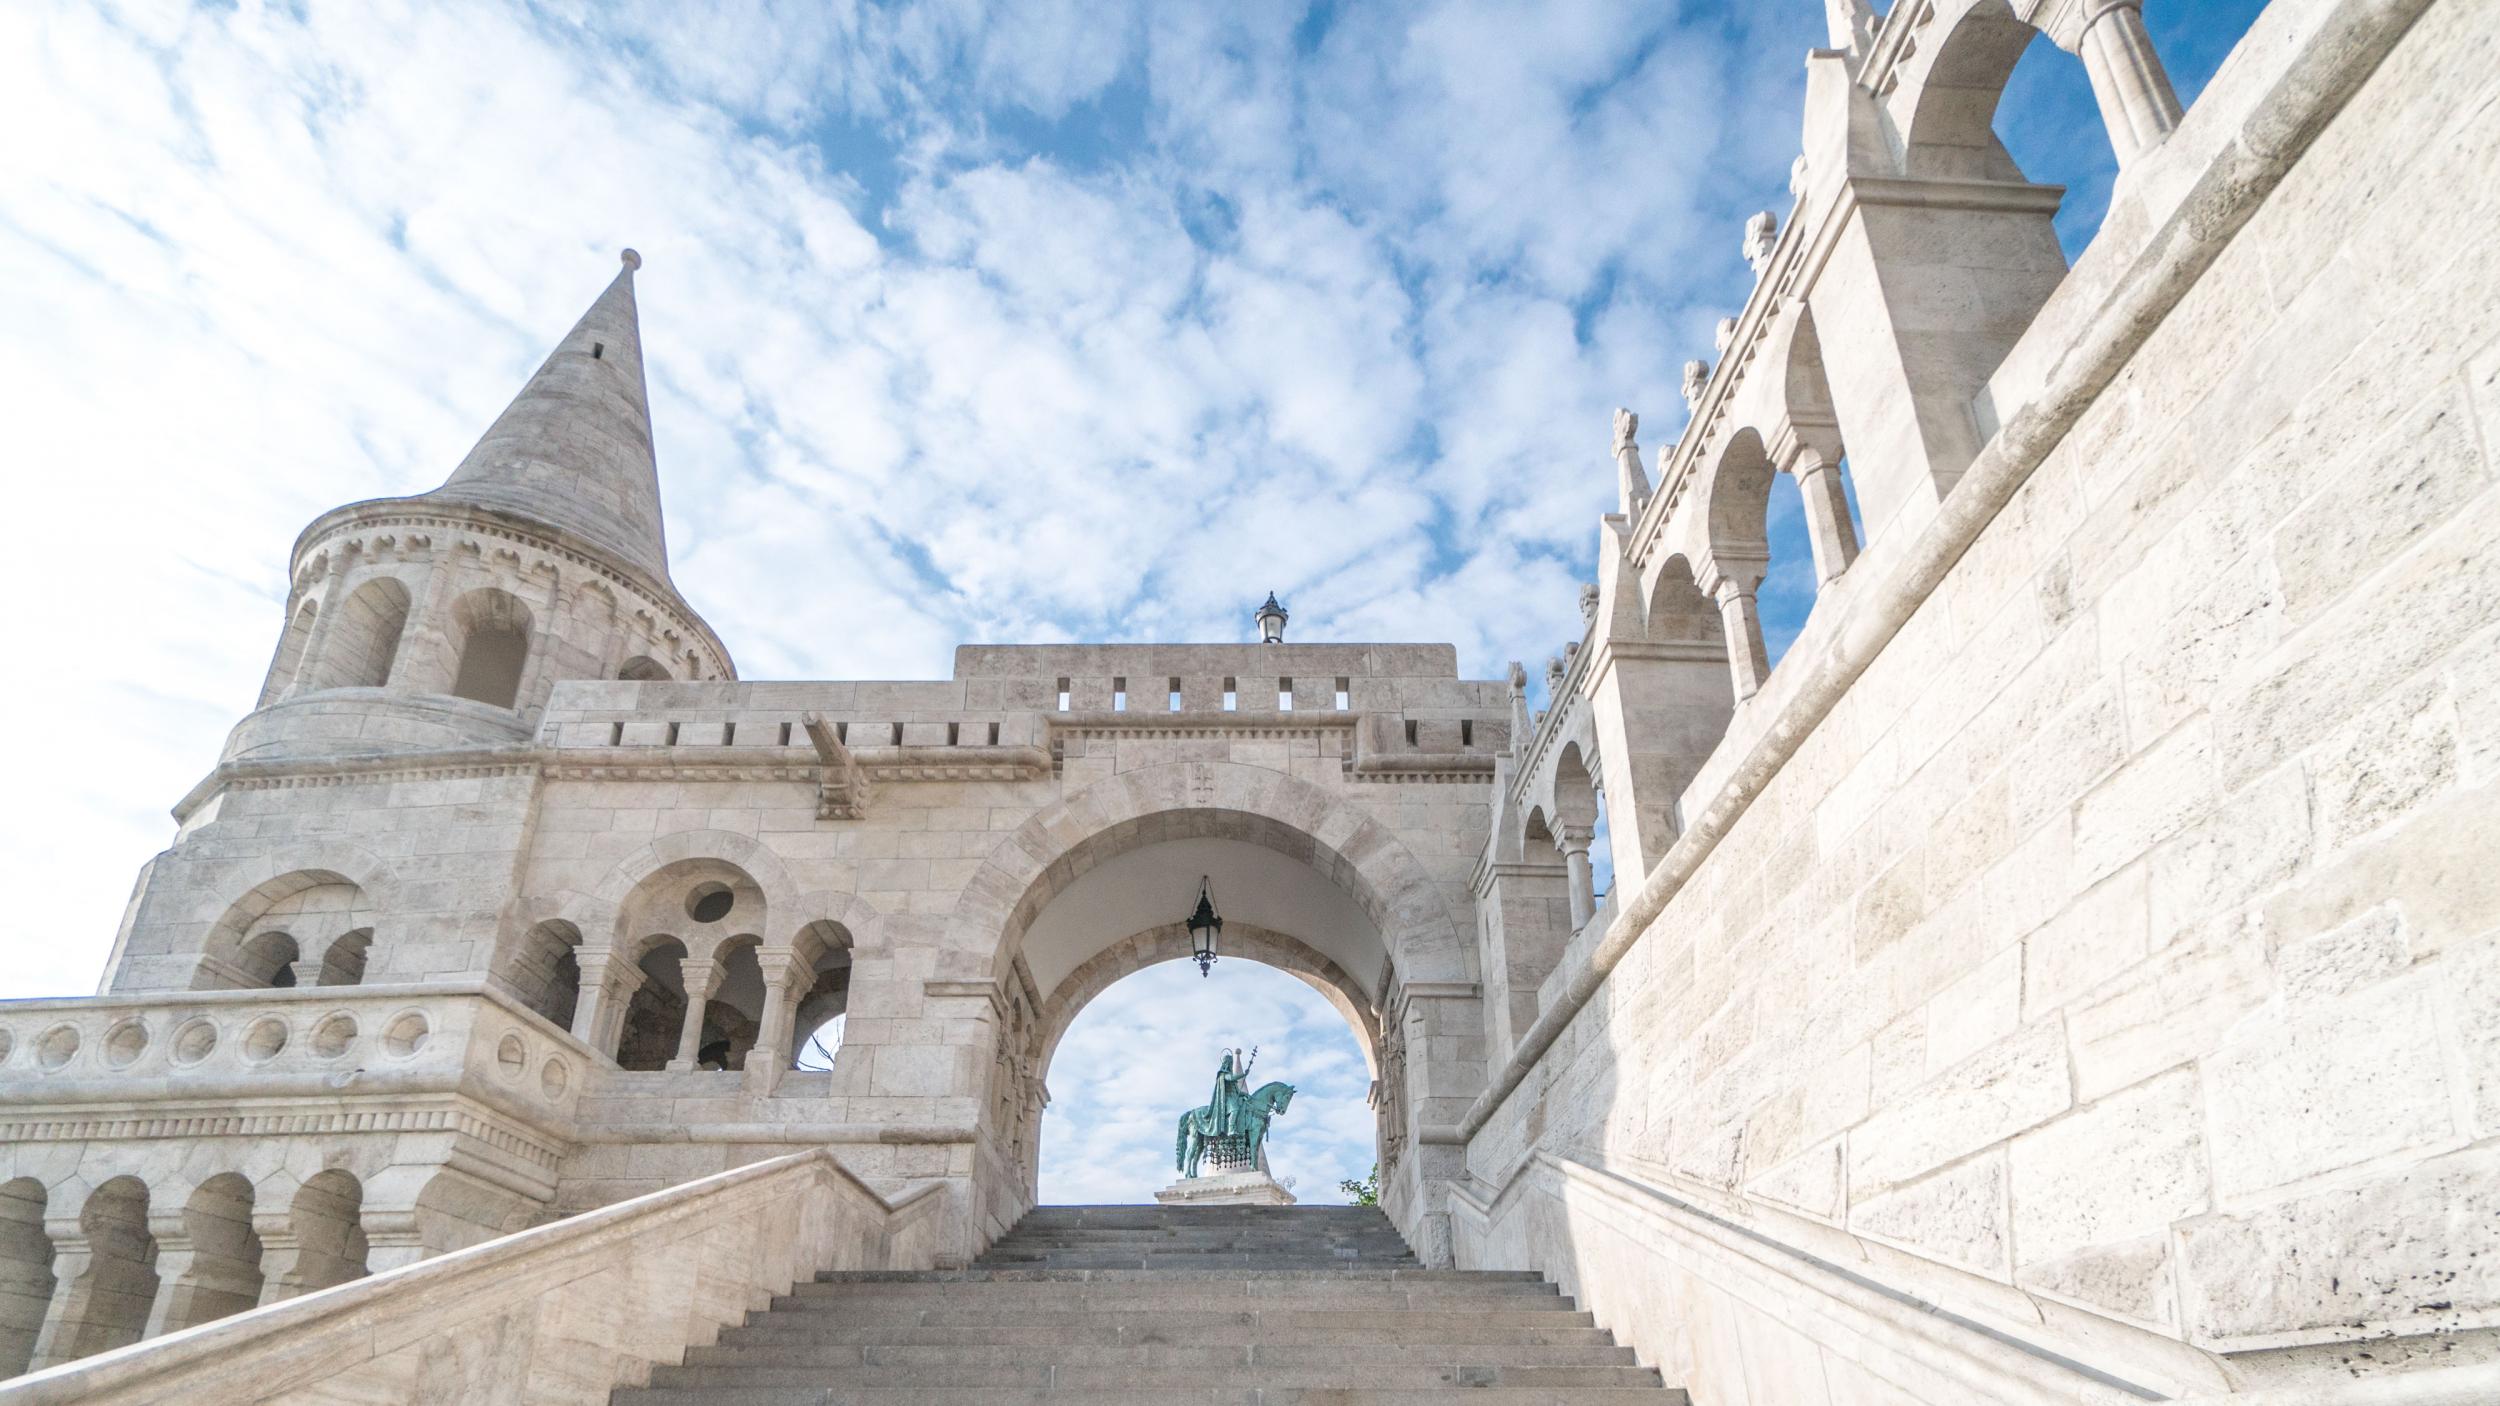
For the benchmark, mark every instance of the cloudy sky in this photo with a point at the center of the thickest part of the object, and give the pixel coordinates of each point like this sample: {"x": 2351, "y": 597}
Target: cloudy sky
{"x": 1048, "y": 320}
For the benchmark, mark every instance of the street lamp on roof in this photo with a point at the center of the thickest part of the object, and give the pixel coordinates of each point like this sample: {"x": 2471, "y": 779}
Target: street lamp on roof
{"x": 1204, "y": 928}
{"x": 1271, "y": 621}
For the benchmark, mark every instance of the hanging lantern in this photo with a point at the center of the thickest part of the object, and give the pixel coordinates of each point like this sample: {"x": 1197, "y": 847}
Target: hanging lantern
{"x": 1204, "y": 928}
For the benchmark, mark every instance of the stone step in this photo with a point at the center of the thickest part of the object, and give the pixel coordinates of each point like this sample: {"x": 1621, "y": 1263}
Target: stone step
{"x": 1063, "y": 1274}
{"x": 1236, "y": 1284}
{"x": 1161, "y": 1397}
{"x": 766, "y": 1332}
{"x": 1194, "y": 1356}
{"x": 1159, "y": 1298}
{"x": 1394, "y": 1377}
{"x": 1165, "y": 1325}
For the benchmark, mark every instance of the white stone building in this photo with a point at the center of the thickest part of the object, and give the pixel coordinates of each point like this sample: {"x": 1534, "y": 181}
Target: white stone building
{"x": 2073, "y": 975}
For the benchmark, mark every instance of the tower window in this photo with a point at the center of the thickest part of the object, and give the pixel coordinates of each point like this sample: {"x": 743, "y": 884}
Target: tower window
{"x": 1345, "y": 692}
{"x": 1231, "y": 697}
{"x": 596, "y": 348}
{"x": 1172, "y": 695}
{"x": 1063, "y": 695}
{"x": 1284, "y": 695}
{"x": 1119, "y": 695}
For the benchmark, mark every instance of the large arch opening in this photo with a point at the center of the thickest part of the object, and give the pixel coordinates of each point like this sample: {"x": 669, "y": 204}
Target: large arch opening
{"x": 25, "y": 1272}
{"x": 107, "y": 1304}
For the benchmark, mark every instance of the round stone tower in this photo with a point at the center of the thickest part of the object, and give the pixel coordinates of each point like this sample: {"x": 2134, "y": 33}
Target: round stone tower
{"x": 443, "y": 620}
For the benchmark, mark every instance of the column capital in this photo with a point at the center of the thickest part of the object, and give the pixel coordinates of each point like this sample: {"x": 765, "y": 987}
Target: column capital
{"x": 1724, "y": 576}
{"x": 1574, "y": 839}
{"x": 700, "y": 974}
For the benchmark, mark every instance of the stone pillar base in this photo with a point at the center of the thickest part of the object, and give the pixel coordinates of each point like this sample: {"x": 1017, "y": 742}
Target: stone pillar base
{"x": 1254, "y": 1188}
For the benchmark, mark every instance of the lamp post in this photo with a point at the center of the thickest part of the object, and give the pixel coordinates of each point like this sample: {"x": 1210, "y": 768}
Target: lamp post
{"x": 1271, "y": 621}
{"x": 1204, "y": 928}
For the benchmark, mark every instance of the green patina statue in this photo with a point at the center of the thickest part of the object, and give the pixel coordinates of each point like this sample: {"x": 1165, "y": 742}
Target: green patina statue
{"x": 1233, "y": 1124}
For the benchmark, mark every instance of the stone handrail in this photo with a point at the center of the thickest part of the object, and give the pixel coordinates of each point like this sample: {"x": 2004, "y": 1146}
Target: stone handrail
{"x": 562, "y": 1313}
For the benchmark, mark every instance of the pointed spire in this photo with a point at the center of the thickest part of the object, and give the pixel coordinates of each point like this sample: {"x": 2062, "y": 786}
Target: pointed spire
{"x": 573, "y": 449}
{"x": 1852, "y": 24}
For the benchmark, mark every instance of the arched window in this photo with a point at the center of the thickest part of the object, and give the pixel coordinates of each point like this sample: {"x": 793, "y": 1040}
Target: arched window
{"x": 327, "y": 1217}
{"x": 290, "y": 658}
{"x": 642, "y": 668}
{"x": 25, "y": 1272}
{"x": 223, "y": 1275}
{"x": 655, "y": 1014}
{"x": 344, "y": 963}
{"x": 494, "y": 633}
{"x": 546, "y": 974}
{"x": 107, "y": 1305}
{"x": 364, "y": 639}
{"x": 268, "y": 959}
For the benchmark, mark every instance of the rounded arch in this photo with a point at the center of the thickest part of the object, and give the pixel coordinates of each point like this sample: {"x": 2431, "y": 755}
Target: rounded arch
{"x": 542, "y": 970}
{"x": 294, "y": 870}
{"x": 1171, "y": 943}
{"x": 107, "y": 1305}
{"x": 1734, "y": 497}
{"x": 26, "y": 1281}
{"x": 491, "y": 630}
{"x": 642, "y": 668}
{"x": 223, "y": 1275}
{"x": 1574, "y": 787}
{"x": 823, "y": 951}
{"x": 604, "y": 910}
{"x": 1947, "y": 121}
{"x": 362, "y": 645}
{"x": 1040, "y": 859}
{"x": 1678, "y": 612}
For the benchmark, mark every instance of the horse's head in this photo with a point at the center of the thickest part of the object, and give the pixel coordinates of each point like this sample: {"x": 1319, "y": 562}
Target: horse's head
{"x": 1274, "y": 1098}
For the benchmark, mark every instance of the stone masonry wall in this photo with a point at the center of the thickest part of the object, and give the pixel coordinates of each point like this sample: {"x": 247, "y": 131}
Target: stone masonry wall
{"x": 2117, "y": 965}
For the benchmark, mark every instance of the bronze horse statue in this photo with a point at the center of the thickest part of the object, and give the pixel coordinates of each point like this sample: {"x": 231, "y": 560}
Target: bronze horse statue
{"x": 1199, "y": 1127}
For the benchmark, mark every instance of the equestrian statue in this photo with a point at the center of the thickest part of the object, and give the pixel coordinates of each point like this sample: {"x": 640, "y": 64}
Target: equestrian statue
{"x": 1233, "y": 1124}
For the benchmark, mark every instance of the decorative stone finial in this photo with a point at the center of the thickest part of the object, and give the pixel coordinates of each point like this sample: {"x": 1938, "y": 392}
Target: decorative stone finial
{"x": 1762, "y": 234}
{"x": 1666, "y": 456}
{"x": 1588, "y": 603}
{"x": 629, "y": 258}
{"x": 1554, "y": 679}
{"x": 1634, "y": 485}
{"x": 1725, "y": 334}
{"x": 1797, "y": 171}
{"x": 1518, "y": 677}
{"x": 1696, "y": 380}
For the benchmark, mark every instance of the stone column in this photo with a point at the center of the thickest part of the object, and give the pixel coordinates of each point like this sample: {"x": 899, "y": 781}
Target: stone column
{"x": 2137, "y": 102}
{"x": 702, "y": 978}
{"x": 1573, "y": 841}
{"x": 605, "y": 988}
{"x": 73, "y": 1257}
{"x": 281, "y": 1256}
{"x": 786, "y": 983}
{"x": 1834, "y": 537}
{"x": 1747, "y": 661}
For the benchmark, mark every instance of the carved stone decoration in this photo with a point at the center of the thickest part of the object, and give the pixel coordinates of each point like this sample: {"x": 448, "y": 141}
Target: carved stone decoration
{"x": 1762, "y": 235}
{"x": 1634, "y": 485}
{"x": 1627, "y": 426}
{"x": 1696, "y": 380}
{"x": 1724, "y": 334}
{"x": 1588, "y": 604}
{"x": 1554, "y": 669}
{"x": 1797, "y": 172}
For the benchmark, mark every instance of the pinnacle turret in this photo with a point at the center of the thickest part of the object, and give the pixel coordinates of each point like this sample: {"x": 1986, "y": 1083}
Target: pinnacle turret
{"x": 573, "y": 449}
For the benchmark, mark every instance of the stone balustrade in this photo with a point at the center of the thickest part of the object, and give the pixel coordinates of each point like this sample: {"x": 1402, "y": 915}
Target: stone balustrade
{"x": 562, "y": 1313}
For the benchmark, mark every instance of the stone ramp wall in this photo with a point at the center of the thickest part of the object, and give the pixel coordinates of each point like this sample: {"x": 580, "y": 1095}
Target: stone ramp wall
{"x": 2111, "y": 965}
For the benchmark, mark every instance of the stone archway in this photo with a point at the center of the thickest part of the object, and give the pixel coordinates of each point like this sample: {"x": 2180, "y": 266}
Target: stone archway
{"x": 1043, "y": 857}
{"x": 1170, "y": 943}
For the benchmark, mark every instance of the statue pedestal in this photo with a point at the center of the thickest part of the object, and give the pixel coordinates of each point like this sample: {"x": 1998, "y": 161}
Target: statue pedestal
{"x": 1244, "y": 1188}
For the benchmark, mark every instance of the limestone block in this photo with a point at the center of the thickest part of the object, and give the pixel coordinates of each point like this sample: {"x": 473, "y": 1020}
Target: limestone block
{"x": 2417, "y": 1244}
{"x": 1958, "y": 1215}
{"x": 2251, "y": 842}
{"x": 643, "y": 734}
{"x": 2344, "y": 959}
{"x": 2013, "y": 1085}
{"x": 2379, "y": 502}
{"x": 2393, "y": 758}
{"x": 2169, "y": 1009}
{"x": 2101, "y": 935}
{"x": 2307, "y": 1092}
{"x": 2155, "y": 794}
{"x": 2113, "y": 1171}
{"x": 2131, "y": 1279}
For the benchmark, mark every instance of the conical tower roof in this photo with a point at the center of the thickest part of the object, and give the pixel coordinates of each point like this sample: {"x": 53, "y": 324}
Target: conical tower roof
{"x": 573, "y": 449}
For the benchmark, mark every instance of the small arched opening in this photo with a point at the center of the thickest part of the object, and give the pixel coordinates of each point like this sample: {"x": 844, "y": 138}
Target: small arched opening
{"x": 546, "y": 973}
{"x": 821, "y": 1013}
{"x": 290, "y": 660}
{"x": 325, "y": 1222}
{"x": 268, "y": 958}
{"x": 733, "y": 1019}
{"x": 363, "y": 642}
{"x": 656, "y": 1012}
{"x": 221, "y": 1272}
{"x": 25, "y": 1272}
{"x": 493, "y": 630}
{"x": 107, "y": 1305}
{"x": 343, "y": 964}
{"x": 642, "y": 668}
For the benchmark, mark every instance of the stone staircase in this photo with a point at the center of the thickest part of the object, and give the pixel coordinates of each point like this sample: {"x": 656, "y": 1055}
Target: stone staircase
{"x": 1157, "y": 1306}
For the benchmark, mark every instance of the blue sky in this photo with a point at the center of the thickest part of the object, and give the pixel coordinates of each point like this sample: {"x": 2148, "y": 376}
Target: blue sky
{"x": 1039, "y": 321}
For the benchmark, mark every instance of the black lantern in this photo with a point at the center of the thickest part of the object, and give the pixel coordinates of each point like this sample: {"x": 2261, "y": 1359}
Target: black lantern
{"x": 1271, "y": 621}
{"x": 1204, "y": 928}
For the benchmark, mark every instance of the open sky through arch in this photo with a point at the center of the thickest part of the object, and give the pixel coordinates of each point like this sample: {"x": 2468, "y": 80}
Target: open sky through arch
{"x": 1147, "y": 1048}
